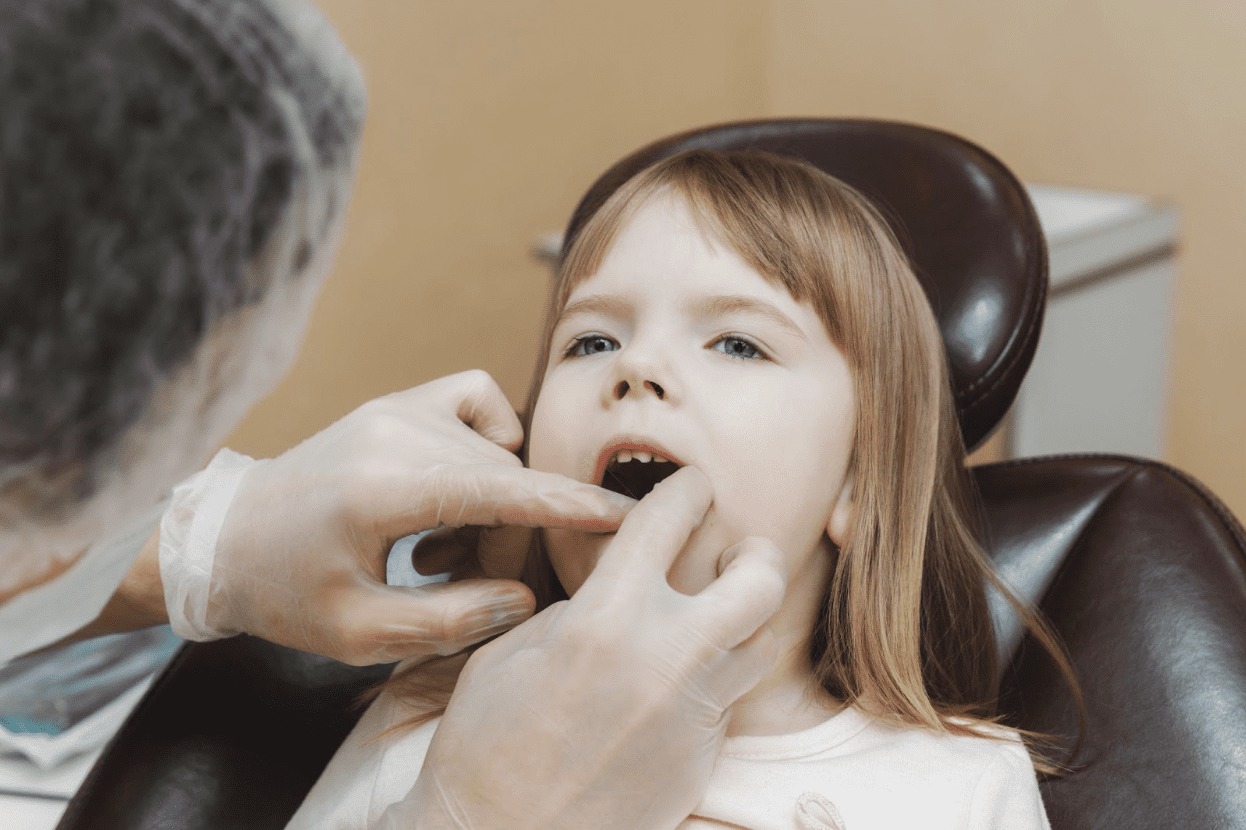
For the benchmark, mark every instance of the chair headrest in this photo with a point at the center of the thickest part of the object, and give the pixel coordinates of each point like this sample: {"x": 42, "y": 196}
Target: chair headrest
{"x": 964, "y": 219}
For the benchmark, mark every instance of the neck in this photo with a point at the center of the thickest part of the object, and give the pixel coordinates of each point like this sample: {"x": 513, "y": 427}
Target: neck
{"x": 789, "y": 698}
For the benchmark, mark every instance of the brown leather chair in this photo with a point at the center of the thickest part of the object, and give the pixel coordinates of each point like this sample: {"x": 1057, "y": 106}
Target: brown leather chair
{"x": 1140, "y": 569}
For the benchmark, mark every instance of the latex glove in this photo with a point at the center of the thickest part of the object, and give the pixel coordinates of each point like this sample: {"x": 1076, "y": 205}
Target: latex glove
{"x": 473, "y": 552}
{"x": 607, "y": 710}
{"x": 300, "y": 558}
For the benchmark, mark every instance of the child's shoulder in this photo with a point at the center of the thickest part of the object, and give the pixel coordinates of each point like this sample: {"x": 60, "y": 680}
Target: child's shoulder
{"x": 969, "y": 748}
{"x": 879, "y": 773}
{"x": 966, "y": 748}
{"x": 981, "y": 768}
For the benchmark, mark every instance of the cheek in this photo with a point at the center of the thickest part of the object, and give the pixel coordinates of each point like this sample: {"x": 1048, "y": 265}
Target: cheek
{"x": 556, "y": 443}
{"x": 548, "y": 447}
{"x": 772, "y": 508}
{"x": 779, "y": 467}
{"x": 573, "y": 555}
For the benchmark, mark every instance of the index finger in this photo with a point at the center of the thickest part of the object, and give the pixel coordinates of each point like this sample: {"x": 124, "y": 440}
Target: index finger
{"x": 495, "y": 494}
{"x": 656, "y": 530}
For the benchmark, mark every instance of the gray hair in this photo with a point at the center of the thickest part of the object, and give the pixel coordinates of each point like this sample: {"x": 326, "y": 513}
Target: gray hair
{"x": 150, "y": 150}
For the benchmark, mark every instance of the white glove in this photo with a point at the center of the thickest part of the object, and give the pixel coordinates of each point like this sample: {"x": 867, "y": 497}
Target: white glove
{"x": 608, "y": 710}
{"x": 189, "y": 531}
{"x": 293, "y": 549}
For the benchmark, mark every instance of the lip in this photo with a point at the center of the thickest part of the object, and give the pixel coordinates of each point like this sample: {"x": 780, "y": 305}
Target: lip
{"x": 634, "y": 443}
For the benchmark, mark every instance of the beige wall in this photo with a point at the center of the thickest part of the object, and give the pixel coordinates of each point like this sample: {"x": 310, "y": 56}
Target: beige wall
{"x": 1147, "y": 96}
{"x": 488, "y": 119}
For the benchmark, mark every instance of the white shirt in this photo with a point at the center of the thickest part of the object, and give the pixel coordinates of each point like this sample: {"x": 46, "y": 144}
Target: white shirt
{"x": 864, "y": 774}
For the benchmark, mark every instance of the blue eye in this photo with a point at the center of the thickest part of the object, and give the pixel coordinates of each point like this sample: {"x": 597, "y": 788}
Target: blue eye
{"x": 588, "y": 344}
{"x": 736, "y": 346}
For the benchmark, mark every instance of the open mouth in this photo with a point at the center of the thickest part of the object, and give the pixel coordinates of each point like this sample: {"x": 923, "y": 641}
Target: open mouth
{"x": 635, "y": 474}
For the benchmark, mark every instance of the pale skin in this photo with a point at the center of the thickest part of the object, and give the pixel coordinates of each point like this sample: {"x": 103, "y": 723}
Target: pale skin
{"x": 677, "y": 347}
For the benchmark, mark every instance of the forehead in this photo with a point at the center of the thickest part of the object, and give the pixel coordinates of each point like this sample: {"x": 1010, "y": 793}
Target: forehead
{"x": 662, "y": 247}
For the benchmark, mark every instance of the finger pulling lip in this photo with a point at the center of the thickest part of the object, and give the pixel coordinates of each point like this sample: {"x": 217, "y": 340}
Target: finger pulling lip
{"x": 631, "y": 444}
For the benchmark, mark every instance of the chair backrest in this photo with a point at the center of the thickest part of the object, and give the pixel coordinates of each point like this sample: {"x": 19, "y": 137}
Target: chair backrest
{"x": 1149, "y": 595}
{"x": 1147, "y": 571}
{"x": 230, "y": 737}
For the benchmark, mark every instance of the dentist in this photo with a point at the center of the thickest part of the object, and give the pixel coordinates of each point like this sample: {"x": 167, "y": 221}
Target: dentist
{"x": 173, "y": 180}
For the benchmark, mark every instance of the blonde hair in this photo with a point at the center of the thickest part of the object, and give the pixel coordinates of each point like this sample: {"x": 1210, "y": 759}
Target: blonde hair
{"x": 905, "y": 623}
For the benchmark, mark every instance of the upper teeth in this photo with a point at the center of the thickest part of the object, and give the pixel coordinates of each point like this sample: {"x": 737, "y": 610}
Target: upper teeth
{"x": 643, "y": 457}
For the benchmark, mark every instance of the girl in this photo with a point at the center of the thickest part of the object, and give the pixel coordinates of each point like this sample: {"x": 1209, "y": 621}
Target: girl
{"x": 754, "y": 318}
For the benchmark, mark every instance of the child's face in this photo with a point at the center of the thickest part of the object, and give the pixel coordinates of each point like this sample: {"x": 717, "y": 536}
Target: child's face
{"x": 677, "y": 346}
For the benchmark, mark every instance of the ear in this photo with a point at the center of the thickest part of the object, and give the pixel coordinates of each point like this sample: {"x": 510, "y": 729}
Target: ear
{"x": 841, "y": 514}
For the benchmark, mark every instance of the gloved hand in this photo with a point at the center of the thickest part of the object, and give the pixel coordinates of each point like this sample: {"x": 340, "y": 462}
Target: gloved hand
{"x": 606, "y": 710}
{"x": 300, "y": 556}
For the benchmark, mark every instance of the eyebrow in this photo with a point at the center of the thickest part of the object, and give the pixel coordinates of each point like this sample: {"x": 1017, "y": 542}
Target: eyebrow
{"x": 705, "y": 307}
{"x": 596, "y": 304}
{"x": 719, "y": 306}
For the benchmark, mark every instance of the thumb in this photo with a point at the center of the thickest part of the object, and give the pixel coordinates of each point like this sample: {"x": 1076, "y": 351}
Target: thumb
{"x": 394, "y": 623}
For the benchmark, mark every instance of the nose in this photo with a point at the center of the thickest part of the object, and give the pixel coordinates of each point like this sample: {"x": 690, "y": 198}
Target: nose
{"x": 623, "y": 387}
{"x": 641, "y": 369}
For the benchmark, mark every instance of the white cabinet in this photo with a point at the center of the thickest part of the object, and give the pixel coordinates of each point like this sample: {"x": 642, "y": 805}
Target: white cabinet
{"x": 1100, "y": 377}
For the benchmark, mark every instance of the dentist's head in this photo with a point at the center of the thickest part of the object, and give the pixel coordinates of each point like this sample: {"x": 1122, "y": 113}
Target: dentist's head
{"x": 173, "y": 175}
